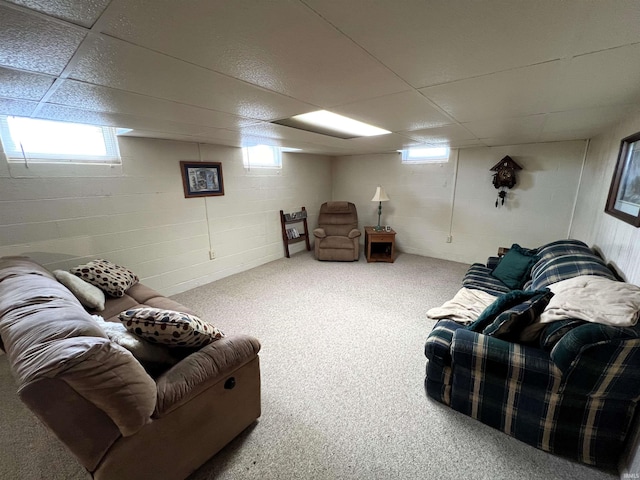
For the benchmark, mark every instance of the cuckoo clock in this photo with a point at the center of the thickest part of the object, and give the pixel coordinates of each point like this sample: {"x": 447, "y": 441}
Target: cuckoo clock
{"x": 505, "y": 176}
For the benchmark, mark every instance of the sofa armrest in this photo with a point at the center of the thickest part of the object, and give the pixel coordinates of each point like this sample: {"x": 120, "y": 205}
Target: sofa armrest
{"x": 354, "y": 233}
{"x": 438, "y": 345}
{"x": 600, "y": 360}
{"x": 201, "y": 369}
{"x": 319, "y": 233}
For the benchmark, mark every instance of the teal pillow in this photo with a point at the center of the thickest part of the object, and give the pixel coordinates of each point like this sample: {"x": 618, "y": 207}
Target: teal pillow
{"x": 510, "y": 323}
{"x": 513, "y": 270}
{"x": 499, "y": 305}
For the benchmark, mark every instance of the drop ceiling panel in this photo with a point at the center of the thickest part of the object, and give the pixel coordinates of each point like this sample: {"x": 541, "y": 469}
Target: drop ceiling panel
{"x": 396, "y": 112}
{"x": 62, "y": 113}
{"x": 431, "y": 42}
{"x": 28, "y": 86}
{"x": 514, "y": 93}
{"x": 450, "y": 134}
{"x": 31, "y": 42}
{"x": 610, "y": 77}
{"x": 529, "y": 127}
{"x": 589, "y": 120}
{"x": 281, "y": 46}
{"x": 80, "y": 12}
{"x": 114, "y": 63}
{"x": 20, "y": 108}
{"x": 96, "y": 98}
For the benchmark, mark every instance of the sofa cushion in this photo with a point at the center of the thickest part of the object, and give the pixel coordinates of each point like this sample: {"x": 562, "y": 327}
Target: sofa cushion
{"x": 176, "y": 329}
{"x": 112, "y": 278}
{"x": 558, "y": 249}
{"x": 513, "y": 270}
{"x": 478, "y": 277}
{"x": 90, "y": 296}
{"x": 512, "y": 323}
{"x": 569, "y": 266}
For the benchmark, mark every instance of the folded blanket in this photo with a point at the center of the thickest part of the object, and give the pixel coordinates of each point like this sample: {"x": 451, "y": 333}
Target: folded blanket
{"x": 594, "y": 299}
{"x": 464, "y": 307}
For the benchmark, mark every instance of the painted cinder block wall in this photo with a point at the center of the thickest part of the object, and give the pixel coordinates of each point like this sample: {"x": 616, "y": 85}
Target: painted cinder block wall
{"x": 430, "y": 202}
{"x": 135, "y": 214}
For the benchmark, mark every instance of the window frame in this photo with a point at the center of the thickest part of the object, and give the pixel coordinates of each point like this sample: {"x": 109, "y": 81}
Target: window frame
{"x": 15, "y": 153}
{"x": 408, "y": 160}
{"x": 276, "y": 155}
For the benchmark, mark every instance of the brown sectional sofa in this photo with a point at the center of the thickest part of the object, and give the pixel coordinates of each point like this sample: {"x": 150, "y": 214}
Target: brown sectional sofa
{"x": 119, "y": 421}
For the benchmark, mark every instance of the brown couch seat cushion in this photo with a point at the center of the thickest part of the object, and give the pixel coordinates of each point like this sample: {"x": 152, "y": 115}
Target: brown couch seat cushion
{"x": 337, "y": 242}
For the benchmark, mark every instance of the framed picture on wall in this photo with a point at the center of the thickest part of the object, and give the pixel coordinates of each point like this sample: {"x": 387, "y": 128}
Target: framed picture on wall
{"x": 623, "y": 201}
{"x": 202, "y": 179}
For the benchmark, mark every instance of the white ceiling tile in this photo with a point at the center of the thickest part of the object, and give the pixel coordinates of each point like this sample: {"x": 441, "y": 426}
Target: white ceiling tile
{"x": 396, "y": 112}
{"x": 586, "y": 120}
{"x": 113, "y": 63}
{"x": 513, "y": 93}
{"x": 281, "y": 46}
{"x": 502, "y": 127}
{"x": 96, "y": 98}
{"x": 610, "y": 77}
{"x": 80, "y": 12}
{"x": 449, "y": 134}
{"x": 19, "y": 108}
{"x": 429, "y": 42}
{"x": 606, "y": 24}
{"x": 30, "y": 42}
{"x": 27, "y": 86}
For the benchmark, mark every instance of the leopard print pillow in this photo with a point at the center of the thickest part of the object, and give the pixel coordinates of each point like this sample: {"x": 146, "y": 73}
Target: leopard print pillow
{"x": 175, "y": 329}
{"x": 107, "y": 276}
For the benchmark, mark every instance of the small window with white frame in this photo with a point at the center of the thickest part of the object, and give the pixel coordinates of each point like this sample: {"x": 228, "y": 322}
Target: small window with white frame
{"x": 48, "y": 141}
{"x": 425, "y": 154}
{"x": 261, "y": 156}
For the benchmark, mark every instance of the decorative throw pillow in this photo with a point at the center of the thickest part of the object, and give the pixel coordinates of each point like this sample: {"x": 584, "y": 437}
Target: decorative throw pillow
{"x": 176, "y": 329}
{"x": 89, "y": 295}
{"x": 513, "y": 270}
{"x": 511, "y": 322}
{"x": 112, "y": 278}
{"x": 502, "y": 303}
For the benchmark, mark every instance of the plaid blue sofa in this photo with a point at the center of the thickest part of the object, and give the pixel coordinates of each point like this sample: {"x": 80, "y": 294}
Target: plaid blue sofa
{"x": 573, "y": 394}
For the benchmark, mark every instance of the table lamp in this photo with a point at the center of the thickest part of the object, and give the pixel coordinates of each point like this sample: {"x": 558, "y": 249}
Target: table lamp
{"x": 380, "y": 196}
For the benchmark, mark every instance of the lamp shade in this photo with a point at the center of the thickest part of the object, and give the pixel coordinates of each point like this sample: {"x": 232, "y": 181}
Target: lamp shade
{"x": 380, "y": 196}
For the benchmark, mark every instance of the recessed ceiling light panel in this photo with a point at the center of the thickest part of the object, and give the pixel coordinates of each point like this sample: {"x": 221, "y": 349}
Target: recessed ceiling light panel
{"x": 332, "y": 124}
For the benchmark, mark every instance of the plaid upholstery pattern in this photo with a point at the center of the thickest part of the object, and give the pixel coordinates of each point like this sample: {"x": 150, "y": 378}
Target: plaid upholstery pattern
{"x": 581, "y": 409}
{"x": 569, "y": 266}
{"x": 479, "y": 277}
{"x": 510, "y": 323}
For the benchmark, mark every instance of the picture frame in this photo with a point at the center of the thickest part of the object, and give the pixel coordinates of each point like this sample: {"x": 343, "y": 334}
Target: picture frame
{"x": 202, "y": 179}
{"x": 623, "y": 201}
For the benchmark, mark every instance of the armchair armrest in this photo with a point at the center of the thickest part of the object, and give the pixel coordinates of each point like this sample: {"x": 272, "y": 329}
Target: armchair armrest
{"x": 319, "y": 233}
{"x": 201, "y": 369}
{"x": 354, "y": 233}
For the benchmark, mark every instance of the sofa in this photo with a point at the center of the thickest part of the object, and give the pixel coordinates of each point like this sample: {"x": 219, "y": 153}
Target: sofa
{"x": 337, "y": 237}
{"x": 552, "y": 359}
{"x": 122, "y": 419}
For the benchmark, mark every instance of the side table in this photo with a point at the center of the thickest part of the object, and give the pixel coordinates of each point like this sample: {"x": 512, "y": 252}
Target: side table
{"x": 379, "y": 246}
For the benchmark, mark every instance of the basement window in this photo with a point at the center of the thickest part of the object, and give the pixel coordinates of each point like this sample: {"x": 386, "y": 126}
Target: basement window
{"x": 425, "y": 155}
{"x": 261, "y": 156}
{"x": 47, "y": 141}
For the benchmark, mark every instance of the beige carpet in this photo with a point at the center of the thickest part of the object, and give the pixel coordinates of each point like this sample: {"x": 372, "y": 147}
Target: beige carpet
{"x": 342, "y": 375}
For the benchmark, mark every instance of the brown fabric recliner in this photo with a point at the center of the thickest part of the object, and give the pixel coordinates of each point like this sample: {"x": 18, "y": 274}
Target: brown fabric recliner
{"x": 96, "y": 397}
{"x": 337, "y": 235}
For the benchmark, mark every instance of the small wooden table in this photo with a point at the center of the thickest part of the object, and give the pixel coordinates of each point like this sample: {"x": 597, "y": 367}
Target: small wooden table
{"x": 379, "y": 246}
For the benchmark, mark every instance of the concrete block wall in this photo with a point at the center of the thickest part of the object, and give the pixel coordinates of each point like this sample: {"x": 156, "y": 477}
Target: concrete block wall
{"x": 135, "y": 214}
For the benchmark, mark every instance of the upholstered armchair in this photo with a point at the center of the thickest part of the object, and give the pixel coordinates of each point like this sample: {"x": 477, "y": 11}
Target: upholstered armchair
{"x": 337, "y": 235}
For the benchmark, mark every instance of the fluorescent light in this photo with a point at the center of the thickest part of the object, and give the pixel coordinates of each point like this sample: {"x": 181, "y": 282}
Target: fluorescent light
{"x": 329, "y": 123}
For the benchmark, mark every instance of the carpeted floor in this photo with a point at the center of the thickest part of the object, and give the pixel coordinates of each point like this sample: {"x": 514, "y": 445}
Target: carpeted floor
{"x": 342, "y": 383}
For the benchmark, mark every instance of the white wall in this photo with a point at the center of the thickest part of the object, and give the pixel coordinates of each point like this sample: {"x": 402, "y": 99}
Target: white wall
{"x": 618, "y": 241}
{"x": 424, "y": 208}
{"x": 136, "y": 214}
